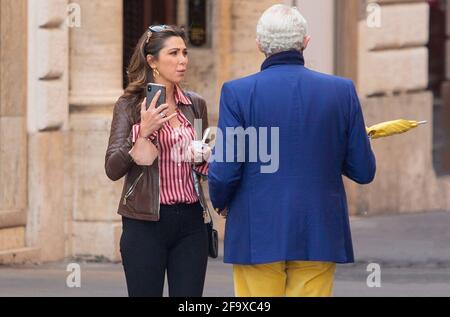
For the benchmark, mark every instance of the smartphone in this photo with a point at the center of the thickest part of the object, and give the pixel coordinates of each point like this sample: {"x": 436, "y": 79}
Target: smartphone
{"x": 152, "y": 89}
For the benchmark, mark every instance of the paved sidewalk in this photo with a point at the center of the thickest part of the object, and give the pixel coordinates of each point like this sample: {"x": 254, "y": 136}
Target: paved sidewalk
{"x": 412, "y": 250}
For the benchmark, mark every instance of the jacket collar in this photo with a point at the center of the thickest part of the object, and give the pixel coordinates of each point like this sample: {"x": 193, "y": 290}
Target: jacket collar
{"x": 180, "y": 97}
{"x": 188, "y": 112}
{"x": 292, "y": 57}
{"x": 183, "y": 99}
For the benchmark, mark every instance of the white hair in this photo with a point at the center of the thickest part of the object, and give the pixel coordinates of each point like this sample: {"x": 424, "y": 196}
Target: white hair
{"x": 281, "y": 28}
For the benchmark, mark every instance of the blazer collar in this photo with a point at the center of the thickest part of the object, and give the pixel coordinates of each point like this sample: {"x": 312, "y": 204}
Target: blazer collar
{"x": 292, "y": 57}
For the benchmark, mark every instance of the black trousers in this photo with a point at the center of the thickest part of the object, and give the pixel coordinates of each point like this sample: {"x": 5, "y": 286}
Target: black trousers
{"x": 178, "y": 244}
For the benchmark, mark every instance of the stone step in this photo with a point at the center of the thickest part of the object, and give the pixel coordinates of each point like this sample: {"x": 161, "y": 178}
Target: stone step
{"x": 19, "y": 256}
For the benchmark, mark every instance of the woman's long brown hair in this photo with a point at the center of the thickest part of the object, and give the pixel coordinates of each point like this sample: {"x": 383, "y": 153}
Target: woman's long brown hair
{"x": 139, "y": 71}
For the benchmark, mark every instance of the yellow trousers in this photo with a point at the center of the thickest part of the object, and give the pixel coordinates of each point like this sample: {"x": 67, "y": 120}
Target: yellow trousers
{"x": 291, "y": 279}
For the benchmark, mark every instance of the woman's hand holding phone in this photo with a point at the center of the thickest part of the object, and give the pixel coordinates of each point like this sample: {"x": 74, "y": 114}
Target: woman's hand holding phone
{"x": 152, "y": 119}
{"x": 144, "y": 152}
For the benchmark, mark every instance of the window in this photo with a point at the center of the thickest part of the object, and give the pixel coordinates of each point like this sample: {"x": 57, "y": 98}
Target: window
{"x": 197, "y": 22}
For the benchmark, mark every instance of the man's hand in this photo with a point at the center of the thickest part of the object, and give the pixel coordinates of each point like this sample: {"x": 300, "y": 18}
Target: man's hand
{"x": 222, "y": 212}
{"x": 200, "y": 155}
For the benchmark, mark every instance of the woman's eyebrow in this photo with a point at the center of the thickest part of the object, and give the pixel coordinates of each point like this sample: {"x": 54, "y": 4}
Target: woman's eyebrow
{"x": 177, "y": 49}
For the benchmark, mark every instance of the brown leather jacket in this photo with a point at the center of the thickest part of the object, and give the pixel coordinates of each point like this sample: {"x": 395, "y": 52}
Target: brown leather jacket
{"x": 140, "y": 194}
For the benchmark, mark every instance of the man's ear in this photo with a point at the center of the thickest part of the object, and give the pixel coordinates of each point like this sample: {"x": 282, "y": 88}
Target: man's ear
{"x": 306, "y": 41}
{"x": 258, "y": 44}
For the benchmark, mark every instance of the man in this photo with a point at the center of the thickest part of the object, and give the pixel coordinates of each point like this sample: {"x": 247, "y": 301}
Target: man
{"x": 287, "y": 228}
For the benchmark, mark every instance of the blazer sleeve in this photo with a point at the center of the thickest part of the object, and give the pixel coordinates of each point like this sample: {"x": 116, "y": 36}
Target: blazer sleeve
{"x": 360, "y": 164}
{"x": 225, "y": 170}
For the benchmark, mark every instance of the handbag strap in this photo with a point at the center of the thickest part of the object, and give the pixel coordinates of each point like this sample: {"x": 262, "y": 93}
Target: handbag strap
{"x": 197, "y": 116}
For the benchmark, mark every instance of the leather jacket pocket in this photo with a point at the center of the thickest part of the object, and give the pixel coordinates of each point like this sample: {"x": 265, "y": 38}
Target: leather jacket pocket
{"x": 131, "y": 190}
{"x": 142, "y": 195}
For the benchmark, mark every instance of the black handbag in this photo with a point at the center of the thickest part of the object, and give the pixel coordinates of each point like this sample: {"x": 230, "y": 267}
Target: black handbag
{"x": 213, "y": 239}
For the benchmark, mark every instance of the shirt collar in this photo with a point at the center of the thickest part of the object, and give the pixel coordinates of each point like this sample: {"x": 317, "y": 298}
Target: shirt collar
{"x": 292, "y": 57}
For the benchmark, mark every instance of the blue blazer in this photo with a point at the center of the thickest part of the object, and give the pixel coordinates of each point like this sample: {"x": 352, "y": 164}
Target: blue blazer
{"x": 299, "y": 212}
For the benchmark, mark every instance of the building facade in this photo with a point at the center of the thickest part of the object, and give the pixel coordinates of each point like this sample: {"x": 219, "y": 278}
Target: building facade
{"x": 62, "y": 69}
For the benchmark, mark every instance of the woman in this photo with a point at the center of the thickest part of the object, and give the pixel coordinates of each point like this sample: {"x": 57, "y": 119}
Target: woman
{"x": 163, "y": 222}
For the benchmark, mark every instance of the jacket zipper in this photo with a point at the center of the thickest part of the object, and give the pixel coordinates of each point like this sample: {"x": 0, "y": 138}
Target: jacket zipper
{"x": 132, "y": 188}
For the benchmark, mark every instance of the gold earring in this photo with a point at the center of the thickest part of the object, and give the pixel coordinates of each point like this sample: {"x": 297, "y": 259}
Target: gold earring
{"x": 155, "y": 72}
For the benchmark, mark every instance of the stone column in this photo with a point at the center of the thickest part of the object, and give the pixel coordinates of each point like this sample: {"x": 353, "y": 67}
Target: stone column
{"x": 47, "y": 116}
{"x": 95, "y": 85}
{"x": 96, "y": 54}
{"x": 13, "y": 136}
{"x": 321, "y": 27}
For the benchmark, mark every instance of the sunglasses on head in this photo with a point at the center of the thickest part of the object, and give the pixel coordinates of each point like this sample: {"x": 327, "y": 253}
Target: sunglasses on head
{"x": 157, "y": 28}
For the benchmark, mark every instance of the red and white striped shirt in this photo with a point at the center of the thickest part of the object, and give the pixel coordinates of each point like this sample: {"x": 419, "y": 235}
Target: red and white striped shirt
{"x": 175, "y": 167}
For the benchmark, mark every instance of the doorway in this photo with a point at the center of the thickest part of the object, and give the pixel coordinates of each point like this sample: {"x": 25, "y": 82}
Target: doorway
{"x": 439, "y": 87}
{"x": 138, "y": 15}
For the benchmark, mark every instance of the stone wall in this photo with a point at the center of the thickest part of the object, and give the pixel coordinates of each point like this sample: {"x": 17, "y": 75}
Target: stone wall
{"x": 321, "y": 18}
{"x": 13, "y": 133}
{"x": 95, "y": 85}
{"x": 392, "y": 82}
{"x": 444, "y": 182}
